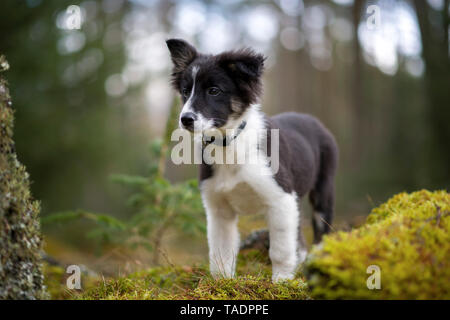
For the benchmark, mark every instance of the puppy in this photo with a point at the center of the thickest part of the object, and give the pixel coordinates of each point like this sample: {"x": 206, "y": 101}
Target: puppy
{"x": 220, "y": 94}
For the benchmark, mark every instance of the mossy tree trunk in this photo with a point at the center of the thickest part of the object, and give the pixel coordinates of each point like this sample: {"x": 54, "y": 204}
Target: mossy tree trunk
{"x": 20, "y": 237}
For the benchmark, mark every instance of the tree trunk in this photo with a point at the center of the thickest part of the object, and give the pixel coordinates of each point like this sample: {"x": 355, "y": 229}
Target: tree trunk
{"x": 20, "y": 237}
{"x": 435, "y": 47}
{"x": 358, "y": 124}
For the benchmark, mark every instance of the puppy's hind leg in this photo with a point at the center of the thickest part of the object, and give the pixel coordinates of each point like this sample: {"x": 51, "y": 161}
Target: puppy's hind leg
{"x": 283, "y": 218}
{"x": 322, "y": 197}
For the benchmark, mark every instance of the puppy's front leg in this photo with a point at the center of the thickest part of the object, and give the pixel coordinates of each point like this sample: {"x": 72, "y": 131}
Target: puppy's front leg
{"x": 223, "y": 239}
{"x": 283, "y": 218}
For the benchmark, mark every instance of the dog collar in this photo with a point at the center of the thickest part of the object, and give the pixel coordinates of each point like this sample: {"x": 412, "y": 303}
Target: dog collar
{"x": 224, "y": 142}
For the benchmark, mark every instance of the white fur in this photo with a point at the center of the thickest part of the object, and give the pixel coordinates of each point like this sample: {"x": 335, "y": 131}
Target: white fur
{"x": 201, "y": 124}
{"x": 301, "y": 255}
{"x": 247, "y": 189}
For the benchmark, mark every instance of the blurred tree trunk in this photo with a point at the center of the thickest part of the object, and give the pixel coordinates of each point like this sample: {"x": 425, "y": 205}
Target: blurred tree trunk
{"x": 434, "y": 31}
{"x": 357, "y": 94}
{"x": 20, "y": 237}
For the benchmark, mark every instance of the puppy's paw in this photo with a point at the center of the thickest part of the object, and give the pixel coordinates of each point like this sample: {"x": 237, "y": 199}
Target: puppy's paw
{"x": 280, "y": 277}
{"x": 222, "y": 275}
{"x": 301, "y": 256}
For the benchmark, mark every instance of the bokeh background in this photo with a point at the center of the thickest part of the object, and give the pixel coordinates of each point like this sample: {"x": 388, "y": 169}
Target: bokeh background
{"x": 90, "y": 101}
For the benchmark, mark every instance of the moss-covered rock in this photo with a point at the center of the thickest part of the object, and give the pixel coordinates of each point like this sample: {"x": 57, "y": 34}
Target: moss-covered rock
{"x": 408, "y": 238}
{"x": 20, "y": 237}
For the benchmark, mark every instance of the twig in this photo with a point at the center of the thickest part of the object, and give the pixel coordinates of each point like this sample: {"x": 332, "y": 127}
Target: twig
{"x": 170, "y": 126}
{"x": 166, "y": 257}
{"x": 331, "y": 227}
{"x": 439, "y": 214}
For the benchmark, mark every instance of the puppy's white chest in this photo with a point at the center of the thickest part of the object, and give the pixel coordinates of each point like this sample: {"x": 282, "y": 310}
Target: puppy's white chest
{"x": 233, "y": 185}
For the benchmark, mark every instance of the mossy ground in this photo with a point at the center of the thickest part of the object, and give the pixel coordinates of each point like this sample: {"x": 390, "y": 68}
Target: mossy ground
{"x": 408, "y": 238}
{"x": 184, "y": 282}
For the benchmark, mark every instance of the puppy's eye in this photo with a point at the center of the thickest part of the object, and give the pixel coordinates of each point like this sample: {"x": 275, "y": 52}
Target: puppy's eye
{"x": 213, "y": 91}
{"x": 185, "y": 92}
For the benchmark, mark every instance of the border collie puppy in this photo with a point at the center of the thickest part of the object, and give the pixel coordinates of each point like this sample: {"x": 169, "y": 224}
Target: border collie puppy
{"x": 221, "y": 93}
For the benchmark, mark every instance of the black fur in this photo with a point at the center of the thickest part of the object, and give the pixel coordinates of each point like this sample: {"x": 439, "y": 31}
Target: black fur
{"x": 182, "y": 54}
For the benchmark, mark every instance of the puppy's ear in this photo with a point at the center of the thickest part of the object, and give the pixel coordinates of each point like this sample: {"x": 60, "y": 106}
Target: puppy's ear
{"x": 245, "y": 63}
{"x": 182, "y": 53}
{"x": 245, "y": 67}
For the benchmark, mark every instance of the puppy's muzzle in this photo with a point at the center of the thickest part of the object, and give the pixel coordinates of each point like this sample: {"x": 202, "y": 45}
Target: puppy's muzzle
{"x": 187, "y": 120}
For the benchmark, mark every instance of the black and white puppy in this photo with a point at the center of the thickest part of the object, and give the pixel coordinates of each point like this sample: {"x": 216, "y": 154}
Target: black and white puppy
{"x": 221, "y": 92}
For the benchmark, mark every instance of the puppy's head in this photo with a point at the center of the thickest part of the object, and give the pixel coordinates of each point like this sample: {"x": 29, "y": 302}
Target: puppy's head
{"x": 215, "y": 89}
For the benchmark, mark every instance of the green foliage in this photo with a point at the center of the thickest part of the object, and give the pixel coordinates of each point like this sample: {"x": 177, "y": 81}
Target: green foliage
{"x": 408, "y": 237}
{"x": 20, "y": 236}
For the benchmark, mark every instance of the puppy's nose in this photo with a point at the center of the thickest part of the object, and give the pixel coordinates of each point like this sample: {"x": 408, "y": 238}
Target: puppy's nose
{"x": 187, "y": 119}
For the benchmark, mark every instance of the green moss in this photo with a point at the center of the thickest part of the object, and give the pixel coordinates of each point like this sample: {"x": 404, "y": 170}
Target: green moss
{"x": 155, "y": 283}
{"x": 175, "y": 282}
{"x": 20, "y": 236}
{"x": 408, "y": 237}
{"x": 247, "y": 288}
{"x": 55, "y": 278}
